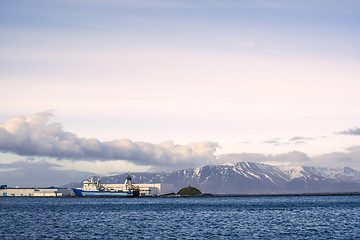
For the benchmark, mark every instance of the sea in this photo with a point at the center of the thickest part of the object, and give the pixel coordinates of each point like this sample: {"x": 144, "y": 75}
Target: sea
{"x": 284, "y": 217}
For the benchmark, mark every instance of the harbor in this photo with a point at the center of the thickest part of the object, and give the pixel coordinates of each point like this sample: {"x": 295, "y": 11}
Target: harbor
{"x": 92, "y": 188}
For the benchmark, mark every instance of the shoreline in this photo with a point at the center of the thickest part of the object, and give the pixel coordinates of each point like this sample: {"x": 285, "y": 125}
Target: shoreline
{"x": 212, "y": 195}
{"x": 289, "y": 194}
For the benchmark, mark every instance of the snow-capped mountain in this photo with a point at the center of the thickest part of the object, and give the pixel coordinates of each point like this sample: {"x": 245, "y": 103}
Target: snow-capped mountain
{"x": 249, "y": 177}
{"x": 322, "y": 179}
{"x": 344, "y": 173}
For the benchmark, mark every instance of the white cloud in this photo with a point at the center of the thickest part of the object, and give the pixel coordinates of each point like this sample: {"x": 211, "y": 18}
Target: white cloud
{"x": 34, "y": 136}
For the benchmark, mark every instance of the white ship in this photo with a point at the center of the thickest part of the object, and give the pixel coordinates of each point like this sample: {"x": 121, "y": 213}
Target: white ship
{"x": 92, "y": 188}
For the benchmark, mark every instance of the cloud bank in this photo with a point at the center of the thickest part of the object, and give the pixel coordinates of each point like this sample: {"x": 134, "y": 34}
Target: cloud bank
{"x": 296, "y": 158}
{"x": 351, "y": 131}
{"x": 35, "y": 136}
{"x": 28, "y": 173}
{"x": 293, "y": 140}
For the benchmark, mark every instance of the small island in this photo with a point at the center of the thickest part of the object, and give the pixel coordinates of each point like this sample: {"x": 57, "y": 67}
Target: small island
{"x": 190, "y": 192}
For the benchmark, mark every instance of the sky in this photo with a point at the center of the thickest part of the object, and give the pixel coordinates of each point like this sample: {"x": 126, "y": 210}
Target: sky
{"x": 108, "y": 86}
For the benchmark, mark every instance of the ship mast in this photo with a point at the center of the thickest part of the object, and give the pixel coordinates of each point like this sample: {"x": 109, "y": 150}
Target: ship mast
{"x": 128, "y": 182}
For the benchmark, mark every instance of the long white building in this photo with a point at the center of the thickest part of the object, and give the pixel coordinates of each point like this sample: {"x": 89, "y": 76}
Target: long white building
{"x": 152, "y": 189}
{"x": 34, "y": 192}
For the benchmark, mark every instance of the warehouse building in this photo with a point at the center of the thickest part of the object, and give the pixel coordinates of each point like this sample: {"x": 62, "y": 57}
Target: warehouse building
{"x": 34, "y": 192}
{"x": 152, "y": 189}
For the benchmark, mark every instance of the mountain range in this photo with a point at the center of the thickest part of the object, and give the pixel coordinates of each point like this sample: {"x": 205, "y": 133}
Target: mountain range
{"x": 250, "y": 178}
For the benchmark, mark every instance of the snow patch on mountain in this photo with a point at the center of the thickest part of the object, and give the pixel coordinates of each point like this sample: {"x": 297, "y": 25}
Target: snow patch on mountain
{"x": 294, "y": 172}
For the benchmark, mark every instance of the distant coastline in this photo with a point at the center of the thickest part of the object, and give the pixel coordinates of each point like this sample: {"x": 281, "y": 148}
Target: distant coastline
{"x": 212, "y": 195}
{"x": 265, "y": 195}
{"x": 289, "y": 194}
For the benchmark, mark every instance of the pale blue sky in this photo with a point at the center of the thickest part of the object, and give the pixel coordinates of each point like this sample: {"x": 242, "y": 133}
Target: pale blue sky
{"x": 249, "y": 75}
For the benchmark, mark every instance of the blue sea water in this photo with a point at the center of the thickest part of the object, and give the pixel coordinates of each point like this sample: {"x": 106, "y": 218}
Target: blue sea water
{"x": 303, "y": 217}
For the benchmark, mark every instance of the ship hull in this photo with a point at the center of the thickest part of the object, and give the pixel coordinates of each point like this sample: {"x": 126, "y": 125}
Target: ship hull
{"x": 82, "y": 193}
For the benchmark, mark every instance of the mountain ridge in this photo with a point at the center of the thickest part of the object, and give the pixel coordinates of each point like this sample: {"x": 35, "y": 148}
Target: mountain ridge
{"x": 251, "y": 178}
